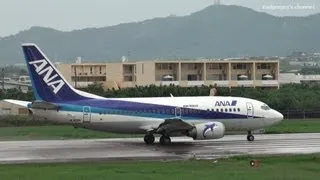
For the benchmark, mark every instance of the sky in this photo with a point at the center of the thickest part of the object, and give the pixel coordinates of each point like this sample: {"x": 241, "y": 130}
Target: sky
{"x": 67, "y": 15}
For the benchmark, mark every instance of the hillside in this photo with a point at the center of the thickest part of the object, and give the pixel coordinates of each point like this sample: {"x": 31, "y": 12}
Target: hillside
{"x": 216, "y": 31}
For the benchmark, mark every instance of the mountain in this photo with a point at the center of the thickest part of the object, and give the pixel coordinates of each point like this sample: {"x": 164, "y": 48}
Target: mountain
{"x": 216, "y": 31}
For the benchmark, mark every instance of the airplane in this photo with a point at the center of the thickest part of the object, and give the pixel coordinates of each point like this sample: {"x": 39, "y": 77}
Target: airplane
{"x": 200, "y": 117}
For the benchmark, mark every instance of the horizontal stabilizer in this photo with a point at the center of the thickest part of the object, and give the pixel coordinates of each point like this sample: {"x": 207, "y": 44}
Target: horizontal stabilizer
{"x": 44, "y": 105}
{"x": 17, "y": 102}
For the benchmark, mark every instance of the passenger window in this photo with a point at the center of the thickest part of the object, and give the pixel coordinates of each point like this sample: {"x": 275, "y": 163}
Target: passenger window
{"x": 226, "y": 110}
{"x": 221, "y": 110}
{"x": 234, "y": 109}
{"x": 217, "y": 110}
{"x": 238, "y": 109}
{"x": 230, "y": 110}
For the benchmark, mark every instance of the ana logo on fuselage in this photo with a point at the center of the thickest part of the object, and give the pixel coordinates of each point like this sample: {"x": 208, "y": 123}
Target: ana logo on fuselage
{"x": 49, "y": 78}
{"x": 226, "y": 103}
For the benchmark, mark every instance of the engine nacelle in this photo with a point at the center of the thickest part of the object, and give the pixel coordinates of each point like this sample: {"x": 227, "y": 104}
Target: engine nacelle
{"x": 209, "y": 130}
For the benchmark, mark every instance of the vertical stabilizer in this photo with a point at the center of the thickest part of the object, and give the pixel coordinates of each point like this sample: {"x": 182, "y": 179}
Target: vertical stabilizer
{"x": 48, "y": 84}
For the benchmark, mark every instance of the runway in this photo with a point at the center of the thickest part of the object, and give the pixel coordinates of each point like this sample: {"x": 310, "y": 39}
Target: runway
{"x": 135, "y": 149}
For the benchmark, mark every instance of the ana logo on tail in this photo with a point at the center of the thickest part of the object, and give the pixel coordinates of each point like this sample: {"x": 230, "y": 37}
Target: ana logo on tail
{"x": 42, "y": 68}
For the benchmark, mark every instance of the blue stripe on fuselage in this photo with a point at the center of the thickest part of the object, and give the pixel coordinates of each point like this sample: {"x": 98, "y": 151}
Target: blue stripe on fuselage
{"x": 127, "y": 108}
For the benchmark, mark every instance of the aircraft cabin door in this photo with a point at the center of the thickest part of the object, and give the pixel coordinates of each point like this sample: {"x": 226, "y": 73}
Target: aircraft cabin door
{"x": 250, "y": 111}
{"x": 178, "y": 112}
{"x": 86, "y": 114}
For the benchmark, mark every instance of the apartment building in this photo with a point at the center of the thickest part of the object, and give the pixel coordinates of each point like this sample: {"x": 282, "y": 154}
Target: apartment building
{"x": 225, "y": 73}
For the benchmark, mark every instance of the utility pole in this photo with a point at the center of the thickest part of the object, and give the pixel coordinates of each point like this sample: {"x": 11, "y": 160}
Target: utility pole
{"x": 75, "y": 77}
{"x": 2, "y": 79}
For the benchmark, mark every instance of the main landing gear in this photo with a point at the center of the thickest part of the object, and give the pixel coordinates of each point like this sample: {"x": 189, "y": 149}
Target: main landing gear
{"x": 250, "y": 137}
{"x": 164, "y": 139}
{"x": 149, "y": 139}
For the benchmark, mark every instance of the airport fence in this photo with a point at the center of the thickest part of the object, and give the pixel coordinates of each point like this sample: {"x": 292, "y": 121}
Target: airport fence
{"x": 300, "y": 114}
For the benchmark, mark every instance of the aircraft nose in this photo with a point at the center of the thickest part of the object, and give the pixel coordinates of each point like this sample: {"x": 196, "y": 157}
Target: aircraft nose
{"x": 279, "y": 116}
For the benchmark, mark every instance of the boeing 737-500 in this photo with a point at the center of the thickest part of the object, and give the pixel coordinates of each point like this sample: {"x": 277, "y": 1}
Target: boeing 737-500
{"x": 202, "y": 118}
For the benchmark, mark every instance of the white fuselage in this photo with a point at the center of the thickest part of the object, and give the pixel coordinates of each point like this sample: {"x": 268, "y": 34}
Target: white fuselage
{"x": 237, "y": 114}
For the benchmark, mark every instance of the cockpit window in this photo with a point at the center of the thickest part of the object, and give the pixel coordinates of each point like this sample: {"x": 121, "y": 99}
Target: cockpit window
{"x": 265, "y": 107}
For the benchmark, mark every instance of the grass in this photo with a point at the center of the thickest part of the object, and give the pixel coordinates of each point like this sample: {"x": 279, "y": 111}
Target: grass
{"x": 296, "y": 126}
{"x": 53, "y": 132}
{"x": 279, "y": 168}
{"x": 68, "y": 132}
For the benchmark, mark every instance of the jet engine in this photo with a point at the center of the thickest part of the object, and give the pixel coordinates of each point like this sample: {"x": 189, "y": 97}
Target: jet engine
{"x": 209, "y": 130}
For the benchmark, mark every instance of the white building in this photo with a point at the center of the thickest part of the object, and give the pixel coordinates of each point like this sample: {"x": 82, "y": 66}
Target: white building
{"x": 287, "y": 78}
{"x": 16, "y": 85}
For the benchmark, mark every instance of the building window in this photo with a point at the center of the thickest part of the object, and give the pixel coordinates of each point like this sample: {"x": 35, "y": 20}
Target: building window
{"x": 214, "y": 66}
{"x": 264, "y": 66}
{"x": 215, "y": 77}
{"x": 158, "y": 66}
{"x": 192, "y": 77}
{"x": 128, "y": 78}
{"x": 239, "y": 66}
{"x": 192, "y": 66}
{"x": 142, "y": 69}
{"x": 164, "y": 66}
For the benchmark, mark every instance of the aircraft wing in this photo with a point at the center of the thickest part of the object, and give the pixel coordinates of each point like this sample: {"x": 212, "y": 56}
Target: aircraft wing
{"x": 17, "y": 102}
{"x": 173, "y": 125}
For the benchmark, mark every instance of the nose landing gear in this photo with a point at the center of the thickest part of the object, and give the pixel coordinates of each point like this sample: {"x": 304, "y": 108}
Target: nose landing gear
{"x": 250, "y": 137}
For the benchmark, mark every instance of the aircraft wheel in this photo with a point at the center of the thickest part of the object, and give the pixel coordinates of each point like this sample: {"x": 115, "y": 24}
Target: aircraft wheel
{"x": 250, "y": 137}
{"x": 149, "y": 139}
{"x": 165, "y": 140}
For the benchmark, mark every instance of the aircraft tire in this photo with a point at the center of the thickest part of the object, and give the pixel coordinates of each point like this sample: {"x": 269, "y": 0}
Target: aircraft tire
{"x": 149, "y": 139}
{"x": 250, "y": 137}
{"x": 164, "y": 140}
